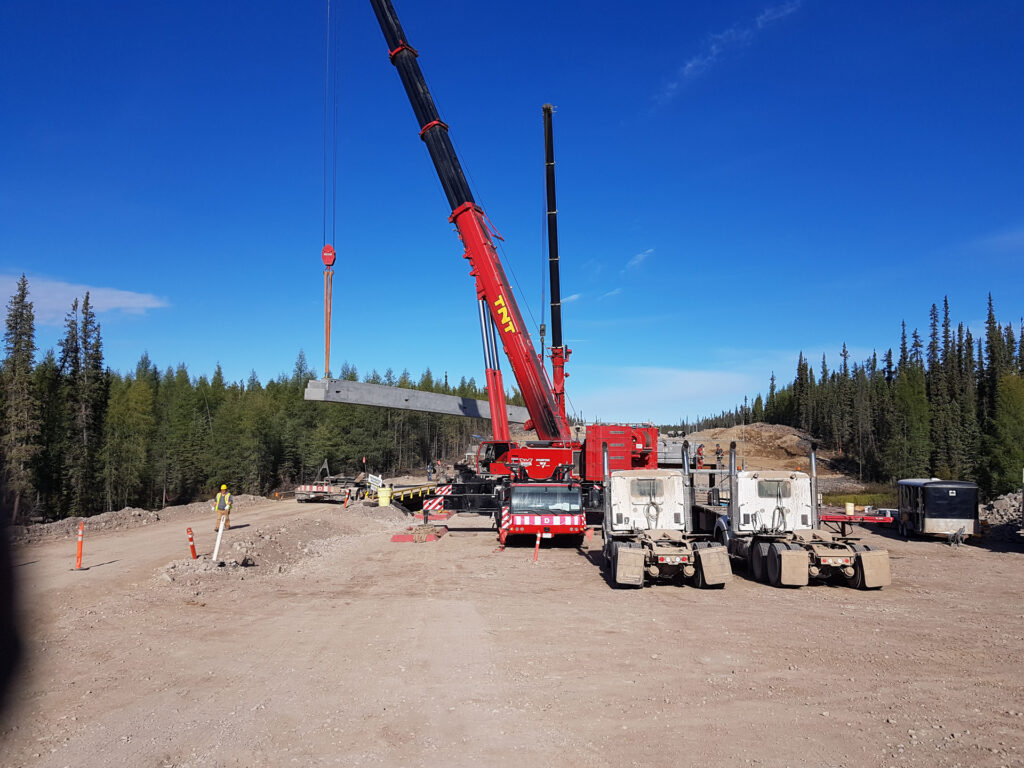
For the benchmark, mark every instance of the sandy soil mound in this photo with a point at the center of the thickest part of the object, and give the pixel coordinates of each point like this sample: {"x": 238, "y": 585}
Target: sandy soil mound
{"x": 295, "y": 543}
{"x": 763, "y": 446}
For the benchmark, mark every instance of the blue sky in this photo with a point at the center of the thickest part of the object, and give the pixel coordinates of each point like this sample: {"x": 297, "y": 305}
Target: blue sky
{"x": 737, "y": 181}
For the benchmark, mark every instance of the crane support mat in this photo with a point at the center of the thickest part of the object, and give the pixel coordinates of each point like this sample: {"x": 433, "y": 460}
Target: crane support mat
{"x": 420, "y": 534}
{"x": 875, "y": 563}
{"x": 714, "y": 564}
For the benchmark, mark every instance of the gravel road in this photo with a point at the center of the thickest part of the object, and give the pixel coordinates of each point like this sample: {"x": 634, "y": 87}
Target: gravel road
{"x": 319, "y": 642}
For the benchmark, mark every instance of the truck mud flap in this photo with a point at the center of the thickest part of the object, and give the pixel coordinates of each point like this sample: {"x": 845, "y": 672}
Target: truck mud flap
{"x": 875, "y": 564}
{"x": 629, "y": 566}
{"x": 714, "y": 565}
{"x": 794, "y": 568}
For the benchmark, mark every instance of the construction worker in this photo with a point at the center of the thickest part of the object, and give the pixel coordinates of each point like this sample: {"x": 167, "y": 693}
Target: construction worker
{"x": 430, "y": 471}
{"x": 719, "y": 455}
{"x": 222, "y": 506}
{"x": 700, "y": 456}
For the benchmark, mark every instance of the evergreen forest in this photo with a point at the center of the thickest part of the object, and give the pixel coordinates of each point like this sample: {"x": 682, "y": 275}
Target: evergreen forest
{"x": 79, "y": 439}
{"x": 949, "y": 406}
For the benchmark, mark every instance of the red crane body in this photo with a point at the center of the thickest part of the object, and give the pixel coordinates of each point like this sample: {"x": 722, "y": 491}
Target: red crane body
{"x": 556, "y": 455}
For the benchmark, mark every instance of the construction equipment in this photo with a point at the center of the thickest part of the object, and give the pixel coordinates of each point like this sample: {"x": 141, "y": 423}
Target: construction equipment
{"x": 556, "y": 458}
{"x": 332, "y": 488}
{"x": 648, "y": 533}
{"x": 768, "y": 519}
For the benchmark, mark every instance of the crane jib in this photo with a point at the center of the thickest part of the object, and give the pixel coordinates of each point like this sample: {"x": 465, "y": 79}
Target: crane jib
{"x": 492, "y": 285}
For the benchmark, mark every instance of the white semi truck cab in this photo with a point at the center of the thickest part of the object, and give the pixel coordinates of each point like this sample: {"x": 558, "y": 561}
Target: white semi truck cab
{"x": 768, "y": 519}
{"x": 648, "y": 534}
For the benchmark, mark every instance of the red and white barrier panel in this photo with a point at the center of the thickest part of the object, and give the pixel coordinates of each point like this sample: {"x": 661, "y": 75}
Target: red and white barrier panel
{"x": 317, "y": 489}
{"x": 506, "y": 524}
{"x": 433, "y": 504}
{"x": 443, "y": 490}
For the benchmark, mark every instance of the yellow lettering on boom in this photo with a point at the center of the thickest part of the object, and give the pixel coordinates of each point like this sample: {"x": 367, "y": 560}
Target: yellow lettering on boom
{"x": 505, "y": 318}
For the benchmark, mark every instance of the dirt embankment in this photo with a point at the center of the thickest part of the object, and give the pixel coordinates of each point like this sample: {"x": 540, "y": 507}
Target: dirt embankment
{"x": 763, "y": 446}
{"x": 122, "y": 519}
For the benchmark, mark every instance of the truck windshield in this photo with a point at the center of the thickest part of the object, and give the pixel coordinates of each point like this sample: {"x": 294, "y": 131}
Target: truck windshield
{"x": 773, "y": 489}
{"x": 644, "y": 488}
{"x": 545, "y": 498}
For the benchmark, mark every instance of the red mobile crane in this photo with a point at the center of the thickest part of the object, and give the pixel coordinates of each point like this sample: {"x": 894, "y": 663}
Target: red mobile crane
{"x": 555, "y": 473}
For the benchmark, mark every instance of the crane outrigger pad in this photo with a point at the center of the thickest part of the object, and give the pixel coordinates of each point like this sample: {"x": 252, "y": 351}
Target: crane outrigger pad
{"x": 420, "y": 534}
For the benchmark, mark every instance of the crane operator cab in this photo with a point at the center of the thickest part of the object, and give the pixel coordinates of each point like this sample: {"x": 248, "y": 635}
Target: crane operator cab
{"x": 489, "y": 452}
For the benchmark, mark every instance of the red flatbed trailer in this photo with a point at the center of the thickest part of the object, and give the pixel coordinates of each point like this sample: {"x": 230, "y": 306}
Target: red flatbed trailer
{"x": 842, "y": 520}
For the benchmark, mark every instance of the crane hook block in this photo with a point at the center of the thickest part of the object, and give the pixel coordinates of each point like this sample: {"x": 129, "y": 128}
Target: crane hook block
{"x": 327, "y": 254}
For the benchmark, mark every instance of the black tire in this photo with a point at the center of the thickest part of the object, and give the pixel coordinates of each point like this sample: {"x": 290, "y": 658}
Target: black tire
{"x": 758, "y": 555}
{"x": 774, "y": 564}
{"x": 698, "y": 576}
{"x": 857, "y": 580}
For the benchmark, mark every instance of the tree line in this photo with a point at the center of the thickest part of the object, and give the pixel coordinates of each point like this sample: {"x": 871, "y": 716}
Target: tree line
{"x": 949, "y": 406}
{"x": 77, "y": 438}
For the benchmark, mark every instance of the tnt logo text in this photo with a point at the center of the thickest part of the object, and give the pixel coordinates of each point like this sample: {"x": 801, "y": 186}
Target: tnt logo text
{"x": 505, "y": 319}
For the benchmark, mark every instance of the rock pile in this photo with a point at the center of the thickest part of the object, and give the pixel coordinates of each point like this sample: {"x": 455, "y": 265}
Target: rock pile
{"x": 1003, "y": 514}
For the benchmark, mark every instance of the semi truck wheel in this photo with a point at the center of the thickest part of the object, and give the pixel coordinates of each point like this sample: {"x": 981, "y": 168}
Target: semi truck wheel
{"x": 774, "y": 563}
{"x": 857, "y": 580}
{"x": 758, "y": 556}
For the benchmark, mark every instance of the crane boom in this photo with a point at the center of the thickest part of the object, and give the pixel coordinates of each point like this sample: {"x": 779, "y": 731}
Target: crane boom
{"x": 491, "y": 283}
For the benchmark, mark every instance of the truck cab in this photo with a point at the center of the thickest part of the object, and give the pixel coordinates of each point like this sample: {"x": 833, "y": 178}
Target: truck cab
{"x": 648, "y": 534}
{"x": 770, "y": 500}
{"x": 542, "y": 509}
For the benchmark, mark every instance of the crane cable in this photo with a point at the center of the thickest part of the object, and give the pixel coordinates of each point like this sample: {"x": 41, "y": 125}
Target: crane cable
{"x": 327, "y": 253}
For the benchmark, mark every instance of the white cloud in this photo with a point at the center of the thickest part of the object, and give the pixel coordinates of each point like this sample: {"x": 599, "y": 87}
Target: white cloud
{"x": 51, "y": 299}
{"x": 1004, "y": 242}
{"x": 613, "y": 292}
{"x": 719, "y": 43}
{"x": 571, "y": 297}
{"x": 638, "y": 258}
{"x": 768, "y": 15}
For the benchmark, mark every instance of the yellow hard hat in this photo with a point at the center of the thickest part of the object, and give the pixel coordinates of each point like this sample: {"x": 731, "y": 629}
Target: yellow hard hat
{"x": 223, "y": 487}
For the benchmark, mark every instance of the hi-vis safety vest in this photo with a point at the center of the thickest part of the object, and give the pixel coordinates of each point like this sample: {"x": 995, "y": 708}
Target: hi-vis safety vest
{"x": 223, "y": 501}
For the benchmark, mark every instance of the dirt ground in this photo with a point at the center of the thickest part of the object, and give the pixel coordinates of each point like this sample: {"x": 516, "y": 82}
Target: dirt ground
{"x": 320, "y": 642}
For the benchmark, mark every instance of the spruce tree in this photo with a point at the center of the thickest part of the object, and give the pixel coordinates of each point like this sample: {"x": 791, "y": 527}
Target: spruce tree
{"x": 1003, "y": 474}
{"x": 21, "y": 432}
{"x": 49, "y": 465}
